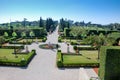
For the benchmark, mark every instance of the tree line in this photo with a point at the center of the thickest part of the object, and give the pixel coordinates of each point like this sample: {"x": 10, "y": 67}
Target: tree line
{"x": 49, "y": 24}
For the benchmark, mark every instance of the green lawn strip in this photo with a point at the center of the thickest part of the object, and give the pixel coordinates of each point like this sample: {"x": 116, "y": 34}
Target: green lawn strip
{"x": 68, "y": 40}
{"x": 30, "y": 40}
{"x": 73, "y": 41}
{"x": 7, "y": 56}
{"x": 87, "y": 58}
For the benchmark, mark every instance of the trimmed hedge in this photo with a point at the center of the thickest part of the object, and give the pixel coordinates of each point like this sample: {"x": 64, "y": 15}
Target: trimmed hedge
{"x": 74, "y": 43}
{"x": 59, "y": 39}
{"x": 44, "y": 39}
{"x": 67, "y": 32}
{"x": 12, "y": 47}
{"x": 87, "y": 48}
{"x": 40, "y": 32}
{"x": 90, "y": 32}
{"x": 11, "y": 42}
{"x": 59, "y": 59}
{"x": 81, "y": 65}
{"x": 24, "y": 62}
{"x": 29, "y": 58}
{"x": 109, "y": 63}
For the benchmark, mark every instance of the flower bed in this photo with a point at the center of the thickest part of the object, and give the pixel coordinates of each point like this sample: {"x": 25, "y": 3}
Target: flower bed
{"x": 49, "y": 46}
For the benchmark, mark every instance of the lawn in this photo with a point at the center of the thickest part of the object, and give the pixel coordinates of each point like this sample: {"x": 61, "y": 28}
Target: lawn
{"x": 74, "y": 41}
{"x": 30, "y": 40}
{"x": 69, "y": 40}
{"x": 87, "y": 57}
{"x": 6, "y": 56}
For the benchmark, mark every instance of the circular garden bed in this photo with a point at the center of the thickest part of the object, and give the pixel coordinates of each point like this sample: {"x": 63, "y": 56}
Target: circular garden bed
{"x": 49, "y": 46}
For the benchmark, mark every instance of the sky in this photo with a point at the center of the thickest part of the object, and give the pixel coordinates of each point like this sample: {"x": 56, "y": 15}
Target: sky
{"x": 96, "y": 11}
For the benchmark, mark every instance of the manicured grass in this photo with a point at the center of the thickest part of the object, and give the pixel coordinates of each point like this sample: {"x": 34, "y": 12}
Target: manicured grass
{"x": 74, "y": 41}
{"x": 9, "y": 56}
{"x": 30, "y": 40}
{"x": 6, "y": 56}
{"x": 68, "y": 40}
{"x": 86, "y": 57}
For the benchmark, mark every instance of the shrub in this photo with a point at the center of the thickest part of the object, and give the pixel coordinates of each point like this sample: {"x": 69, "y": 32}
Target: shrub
{"x": 29, "y": 58}
{"x": 12, "y": 47}
{"x": 75, "y": 48}
{"x": 87, "y": 48}
{"x": 59, "y": 50}
{"x": 74, "y": 43}
{"x": 59, "y": 59}
{"x": 59, "y": 39}
{"x": 11, "y": 42}
{"x": 81, "y": 65}
{"x": 44, "y": 39}
{"x": 67, "y": 32}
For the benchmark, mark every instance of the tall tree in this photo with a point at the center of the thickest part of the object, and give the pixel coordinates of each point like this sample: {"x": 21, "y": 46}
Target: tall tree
{"x": 49, "y": 24}
{"x": 24, "y": 22}
{"x": 62, "y": 24}
{"x": 41, "y": 24}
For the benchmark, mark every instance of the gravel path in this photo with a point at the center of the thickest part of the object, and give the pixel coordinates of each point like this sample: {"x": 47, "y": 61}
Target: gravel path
{"x": 42, "y": 67}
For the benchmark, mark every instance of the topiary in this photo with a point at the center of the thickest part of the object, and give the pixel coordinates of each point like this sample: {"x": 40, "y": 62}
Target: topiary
{"x": 75, "y": 47}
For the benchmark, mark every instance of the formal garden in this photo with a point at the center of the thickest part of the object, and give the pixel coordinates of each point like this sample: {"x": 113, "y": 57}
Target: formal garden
{"x": 84, "y": 59}
{"x": 16, "y": 37}
{"x": 13, "y": 45}
{"x": 92, "y": 46}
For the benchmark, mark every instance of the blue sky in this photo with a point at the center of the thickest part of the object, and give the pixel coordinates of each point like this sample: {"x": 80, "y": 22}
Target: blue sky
{"x": 96, "y": 11}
